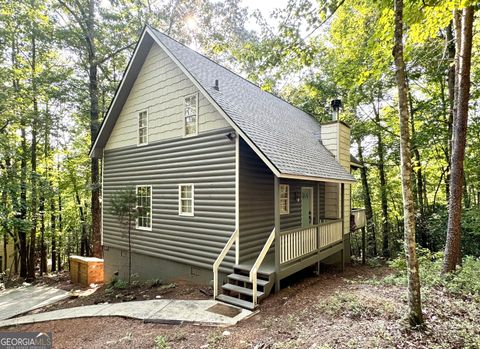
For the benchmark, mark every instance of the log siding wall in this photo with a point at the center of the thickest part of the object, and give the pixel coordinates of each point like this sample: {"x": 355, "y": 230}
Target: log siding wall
{"x": 207, "y": 161}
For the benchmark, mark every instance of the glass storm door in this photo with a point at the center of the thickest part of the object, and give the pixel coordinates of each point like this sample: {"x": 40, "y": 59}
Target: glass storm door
{"x": 307, "y": 207}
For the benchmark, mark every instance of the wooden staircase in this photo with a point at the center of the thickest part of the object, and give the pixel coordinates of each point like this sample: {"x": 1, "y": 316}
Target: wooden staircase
{"x": 238, "y": 290}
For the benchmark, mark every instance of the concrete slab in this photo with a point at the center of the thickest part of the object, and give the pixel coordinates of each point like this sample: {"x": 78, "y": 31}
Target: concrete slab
{"x": 137, "y": 310}
{"x": 194, "y": 311}
{"x": 158, "y": 311}
{"x": 26, "y": 298}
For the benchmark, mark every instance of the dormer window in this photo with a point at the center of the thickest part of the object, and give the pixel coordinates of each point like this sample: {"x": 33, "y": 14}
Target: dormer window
{"x": 143, "y": 127}
{"x": 190, "y": 115}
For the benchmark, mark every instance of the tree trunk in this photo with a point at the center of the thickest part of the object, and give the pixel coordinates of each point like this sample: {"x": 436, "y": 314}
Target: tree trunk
{"x": 33, "y": 154}
{"x": 452, "y": 247}
{"x": 415, "y": 316}
{"x": 43, "y": 254}
{"x": 383, "y": 186}
{"x": 129, "y": 246}
{"x": 451, "y": 76}
{"x": 22, "y": 215}
{"x": 5, "y": 241}
{"x": 5, "y": 228}
{"x": 60, "y": 231}
{"x": 94, "y": 126}
{"x": 367, "y": 201}
{"x": 419, "y": 178}
{"x": 53, "y": 231}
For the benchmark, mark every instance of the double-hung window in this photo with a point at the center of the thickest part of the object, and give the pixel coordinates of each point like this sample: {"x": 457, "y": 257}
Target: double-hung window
{"x": 143, "y": 127}
{"x": 144, "y": 207}
{"x": 190, "y": 115}
{"x": 185, "y": 199}
{"x": 284, "y": 199}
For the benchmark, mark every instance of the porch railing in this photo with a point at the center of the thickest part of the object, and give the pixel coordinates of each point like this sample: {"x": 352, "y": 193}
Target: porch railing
{"x": 301, "y": 242}
{"x": 329, "y": 233}
{"x": 219, "y": 260}
{"x": 297, "y": 243}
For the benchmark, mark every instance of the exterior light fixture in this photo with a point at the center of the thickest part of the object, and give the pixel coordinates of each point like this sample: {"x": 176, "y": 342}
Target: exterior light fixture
{"x": 231, "y": 136}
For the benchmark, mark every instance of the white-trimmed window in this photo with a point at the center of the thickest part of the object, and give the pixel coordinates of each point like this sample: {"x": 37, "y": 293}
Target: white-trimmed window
{"x": 284, "y": 198}
{"x": 185, "y": 199}
{"x": 144, "y": 207}
{"x": 190, "y": 115}
{"x": 143, "y": 127}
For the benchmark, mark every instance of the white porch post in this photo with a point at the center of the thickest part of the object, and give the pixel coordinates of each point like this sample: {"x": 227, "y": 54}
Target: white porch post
{"x": 276, "y": 204}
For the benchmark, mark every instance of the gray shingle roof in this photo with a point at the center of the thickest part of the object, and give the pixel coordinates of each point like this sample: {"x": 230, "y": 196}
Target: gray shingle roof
{"x": 286, "y": 135}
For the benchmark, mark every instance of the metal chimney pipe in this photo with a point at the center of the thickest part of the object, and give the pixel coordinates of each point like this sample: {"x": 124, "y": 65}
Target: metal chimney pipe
{"x": 336, "y": 105}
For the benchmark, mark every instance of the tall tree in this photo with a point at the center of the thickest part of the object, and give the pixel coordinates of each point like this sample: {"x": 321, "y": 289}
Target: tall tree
{"x": 33, "y": 151}
{"x": 452, "y": 247}
{"x": 383, "y": 182}
{"x": 415, "y": 316}
{"x": 83, "y": 14}
{"x": 372, "y": 239}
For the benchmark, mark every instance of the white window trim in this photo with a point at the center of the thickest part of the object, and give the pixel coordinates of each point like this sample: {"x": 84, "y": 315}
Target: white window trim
{"x": 196, "y": 118}
{"x": 288, "y": 199}
{"x": 180, "y": 213}
{"x": 151, "y": 208}
{"x": 138, "y": 127}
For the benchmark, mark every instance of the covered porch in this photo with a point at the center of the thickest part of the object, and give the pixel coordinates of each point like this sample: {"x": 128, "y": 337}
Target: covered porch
{"x": 307, "y": 225}
{"x": 285, "y": 223}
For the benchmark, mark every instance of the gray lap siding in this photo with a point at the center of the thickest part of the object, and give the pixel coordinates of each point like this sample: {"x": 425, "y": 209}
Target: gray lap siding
{"x": 208, "y": 162}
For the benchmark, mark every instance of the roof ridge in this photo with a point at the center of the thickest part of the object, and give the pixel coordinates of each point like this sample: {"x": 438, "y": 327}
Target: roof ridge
{"x": 238, "y": 75}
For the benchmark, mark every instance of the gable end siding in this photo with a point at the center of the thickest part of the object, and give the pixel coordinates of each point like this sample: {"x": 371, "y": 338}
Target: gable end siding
{"x": 207, "y": 161}
{"x": 161, "y": 88}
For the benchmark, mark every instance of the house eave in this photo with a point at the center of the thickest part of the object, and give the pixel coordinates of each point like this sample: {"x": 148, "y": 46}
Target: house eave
{"x": 316, "y": 179}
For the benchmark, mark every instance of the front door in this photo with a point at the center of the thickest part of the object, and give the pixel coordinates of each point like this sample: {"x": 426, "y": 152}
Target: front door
{"x": 307, "y": 207}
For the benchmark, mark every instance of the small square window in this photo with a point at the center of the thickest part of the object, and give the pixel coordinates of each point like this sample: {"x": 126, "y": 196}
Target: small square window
{"x": 185, "y": 199}
{"x": 284, "y": 199}
{"x": 143, "y": 128}
{"x": 191, "y": 115}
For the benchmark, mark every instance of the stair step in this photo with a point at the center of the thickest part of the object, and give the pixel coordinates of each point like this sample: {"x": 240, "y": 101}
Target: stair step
{"x": 246, "y": 269}
{"x": 241, "y": 290}
{"x": 244, "y": 278}
{"x": 235, "y": 301}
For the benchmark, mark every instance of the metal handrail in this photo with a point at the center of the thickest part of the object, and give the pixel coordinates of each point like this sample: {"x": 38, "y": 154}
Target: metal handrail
{"x": 219, "y": 260}
{"x": 256, "y": 265}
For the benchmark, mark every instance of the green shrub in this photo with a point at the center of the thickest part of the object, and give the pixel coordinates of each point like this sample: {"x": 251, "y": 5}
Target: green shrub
{"x": 465, "y": 280}
{"x": 154, "y": 282}
{"x": 118, "y": 284}
{"x": 435, "y": 223}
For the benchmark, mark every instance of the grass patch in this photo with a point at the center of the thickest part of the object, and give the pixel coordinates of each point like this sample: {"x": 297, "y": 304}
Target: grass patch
{"x": 161, "y": 342}
{"x": 356, "y": 306}
{"x": 214, "y": 339}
